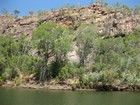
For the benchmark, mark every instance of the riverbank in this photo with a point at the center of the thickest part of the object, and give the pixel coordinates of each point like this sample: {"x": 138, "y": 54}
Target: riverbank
{"x": 64, "y": 86}
{"x": 36, "y": 85}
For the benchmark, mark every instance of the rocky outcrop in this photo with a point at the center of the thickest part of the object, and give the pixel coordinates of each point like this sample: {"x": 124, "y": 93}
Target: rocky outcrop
{"x": 14, "y": 26}
{"x": 113, "y": 22}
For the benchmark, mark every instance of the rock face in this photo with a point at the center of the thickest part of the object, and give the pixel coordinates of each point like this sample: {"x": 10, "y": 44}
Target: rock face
{"x": 112, "y": 22}
{"x": 72, "y": 55}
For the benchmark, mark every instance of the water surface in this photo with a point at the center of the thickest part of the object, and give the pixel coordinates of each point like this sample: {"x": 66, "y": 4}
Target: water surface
{"x": 45, "y": 97}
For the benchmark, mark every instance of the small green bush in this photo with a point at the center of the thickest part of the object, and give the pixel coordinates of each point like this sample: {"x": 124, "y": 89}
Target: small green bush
{"x": 131, "y": 78}
{"x": 17, "y": 81}
{"x": 107, "y": 76}
{"x": 70, "y": 71}
{"x": 8, "y": 74}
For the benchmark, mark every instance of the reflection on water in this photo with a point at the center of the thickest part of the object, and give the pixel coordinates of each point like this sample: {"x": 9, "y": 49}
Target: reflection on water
{"x": 45, "y": 97}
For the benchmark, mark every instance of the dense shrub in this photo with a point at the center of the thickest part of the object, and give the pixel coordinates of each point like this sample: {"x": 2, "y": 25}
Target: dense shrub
{"x": 106, "y": 76}
{"x": 131, "y": 78}
{"x": 111, "y": 60}
{"x": 70, "y": 71}
{"x": 15, "y": 57}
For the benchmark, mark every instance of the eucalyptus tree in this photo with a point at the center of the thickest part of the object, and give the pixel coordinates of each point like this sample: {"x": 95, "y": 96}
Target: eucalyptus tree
{"x": 102, "y": 2}
{"x": 31, "y": 12}
{"x": 86, "y": 37}
{"x": 4, "y": 11}
{"x": 16, "y": 12}
{"x": 136, "y": 10}
{"x": 52, "y": 44}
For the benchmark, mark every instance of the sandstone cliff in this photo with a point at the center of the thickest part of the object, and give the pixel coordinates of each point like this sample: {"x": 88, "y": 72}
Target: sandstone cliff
{"x": 107, "y": 19}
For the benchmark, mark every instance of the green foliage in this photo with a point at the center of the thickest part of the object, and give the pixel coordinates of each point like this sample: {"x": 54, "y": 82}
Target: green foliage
{"x": 70, "y": 71}
{"x": 6, "y": 51}
{"x": 16, "y": 12}
{"x": 17, "y": 81}
{"x": 136, "y": 10}
{"x": 8, "y": 74}
{"x": 31, "y": 12}
{"x": 86, "y": 36}
{"x": 51, "y": 41}
{"x": 131, "y": 78}
{"x": 105, "y": 76}
{"x": 117, "y": 5}
{"x": 42, "y": 13}
{"x": 22, "y": 63}
{"x": 109, "y": 9}
{"x": 112, "y": 59}
{"x": 23, "y": 56}
{"x": 15, "y": 57}
{"x": 4, "y": 11}
{"x": 122, "y": 7}
{"x": 102, "y": 2}
{"x": 137, "y": 31}
{"x": 1, "y": 80}
{"x": 51, "y": 38}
